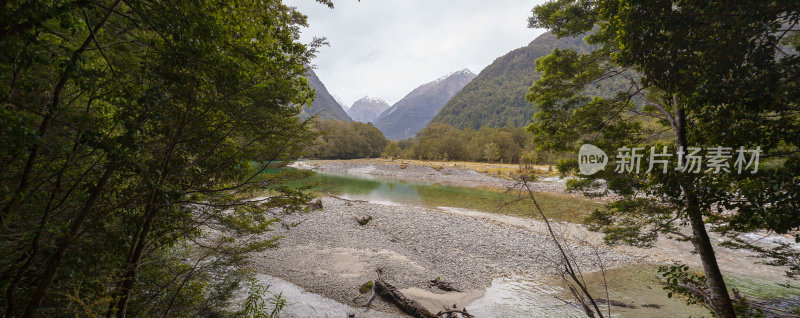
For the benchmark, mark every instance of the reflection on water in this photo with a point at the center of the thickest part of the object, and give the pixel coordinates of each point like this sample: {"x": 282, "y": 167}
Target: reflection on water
{"x": 387, "y": 191}
{"x": 520, "y": 296}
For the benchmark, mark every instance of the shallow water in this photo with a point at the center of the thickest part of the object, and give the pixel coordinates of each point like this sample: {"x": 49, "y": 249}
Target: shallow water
{"x": 302, "y": 304}
{"x": 520, "y": 296}
{"x": 389, "y": 191}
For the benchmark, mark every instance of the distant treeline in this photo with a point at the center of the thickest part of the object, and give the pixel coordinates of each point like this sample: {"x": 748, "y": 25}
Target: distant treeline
{"x": 346, "y": 140}
{"x": 441, "y": 142}
{"x": 446, "y": 143}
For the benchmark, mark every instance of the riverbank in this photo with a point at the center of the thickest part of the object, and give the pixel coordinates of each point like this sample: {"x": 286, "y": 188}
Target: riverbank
{"x": 330, "y": 254}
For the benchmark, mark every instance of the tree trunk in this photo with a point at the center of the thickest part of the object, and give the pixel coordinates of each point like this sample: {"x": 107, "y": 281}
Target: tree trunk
{"x": 132, "y": 268}
{"x": 720, "y": 300}
{"x": 52, "y": 264}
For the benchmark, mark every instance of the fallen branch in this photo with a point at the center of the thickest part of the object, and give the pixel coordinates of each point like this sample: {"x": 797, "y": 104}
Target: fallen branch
{"x": 371, "y": 296}
{"x": 571, "y": 274}
{"x": 343, "y": 199}
{"x": 392, "y": 294}
{"x": 616, "y": 303}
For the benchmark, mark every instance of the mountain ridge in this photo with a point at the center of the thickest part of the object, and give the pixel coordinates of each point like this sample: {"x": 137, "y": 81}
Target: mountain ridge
{"x": 496, "y": 97}
{"x": 367, "y": 109}
{"x": 324, "y": 105}
{"x": 414, "y": 111}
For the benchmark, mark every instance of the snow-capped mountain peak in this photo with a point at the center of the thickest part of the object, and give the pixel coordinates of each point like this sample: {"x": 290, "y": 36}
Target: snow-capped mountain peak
{"x": 370, "y": 99}
{"x": 367, "y": 109}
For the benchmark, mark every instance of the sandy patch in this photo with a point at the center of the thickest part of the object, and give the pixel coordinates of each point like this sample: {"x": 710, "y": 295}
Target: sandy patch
{"x": 437, "y": 302}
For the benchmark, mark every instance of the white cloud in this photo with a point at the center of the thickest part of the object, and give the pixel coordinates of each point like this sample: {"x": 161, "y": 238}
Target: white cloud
{"x": 386, "y": 48}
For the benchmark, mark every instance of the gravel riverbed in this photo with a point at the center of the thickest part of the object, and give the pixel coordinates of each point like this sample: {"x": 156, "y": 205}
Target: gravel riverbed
{"x": 330, "y": 254}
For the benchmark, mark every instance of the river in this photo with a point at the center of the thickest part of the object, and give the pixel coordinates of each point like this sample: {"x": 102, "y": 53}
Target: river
{"x": 515, "y": 296}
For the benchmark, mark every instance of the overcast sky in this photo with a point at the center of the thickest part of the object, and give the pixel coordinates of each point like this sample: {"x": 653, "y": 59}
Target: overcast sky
{"x": 386, "y": 48}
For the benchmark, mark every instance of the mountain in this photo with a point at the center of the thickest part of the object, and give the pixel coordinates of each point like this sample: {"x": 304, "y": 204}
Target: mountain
{"x": 324, "y": 104}
{"x": 367, "y": 109}
{"x": 496, "y": 97}
{"x": 412, "y": 113}
{"x": 340, "y": 102}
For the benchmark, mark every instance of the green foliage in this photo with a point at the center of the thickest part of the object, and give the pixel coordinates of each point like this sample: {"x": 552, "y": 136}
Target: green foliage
{"x": 567, "y": 166}
{"x": 366, "y": 287}
{"x": 680, "y": 280}
{"x": 717, "y": 112}
{"x": 128, "y": 135}
{"x": 444, "y": 142}
{"x": 391, "y": 151}
{"x": 635, "y": 222}
{"x": 347, "y": 140}
{"x": 697, "y": 74}
{"x": 261, "y": 303}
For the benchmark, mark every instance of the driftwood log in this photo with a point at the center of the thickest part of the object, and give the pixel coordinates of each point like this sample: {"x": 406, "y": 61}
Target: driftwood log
{"x": 407, "y": 305}
{"x": 392, "y": 294}
{"x": 616, "y": 303}
{"x": 346, "y": 200}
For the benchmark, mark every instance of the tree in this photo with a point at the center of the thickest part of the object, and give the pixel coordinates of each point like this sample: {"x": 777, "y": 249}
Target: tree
{"x": 709, "y": 73}
{"x": 440, "y": 141}
{"x": 346, "y": 140}
{"x": 131, "y": 130}
{"x": 391, "y": 151}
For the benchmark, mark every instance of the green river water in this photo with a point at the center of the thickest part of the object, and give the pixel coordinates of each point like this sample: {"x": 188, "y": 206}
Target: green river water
{"x": 556, "y": 206}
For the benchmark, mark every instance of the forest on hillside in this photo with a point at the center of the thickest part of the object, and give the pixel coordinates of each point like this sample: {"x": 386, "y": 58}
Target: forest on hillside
{"x": 496, "y": 97}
